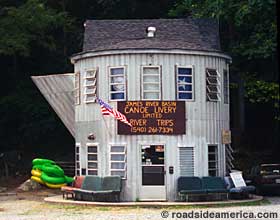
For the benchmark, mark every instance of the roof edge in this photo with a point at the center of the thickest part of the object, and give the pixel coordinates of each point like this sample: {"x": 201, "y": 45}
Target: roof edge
{"x": 52, "y": 74}
{"x": 76, "y": 57}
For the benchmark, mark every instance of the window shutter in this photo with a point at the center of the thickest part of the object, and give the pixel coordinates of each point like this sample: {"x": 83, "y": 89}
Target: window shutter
{"x": 186, "y": 160}
{"x": 91, "y": 85}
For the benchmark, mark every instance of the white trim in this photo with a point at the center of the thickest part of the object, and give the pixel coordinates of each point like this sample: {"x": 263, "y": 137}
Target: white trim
{"x": 114, "y": 161}
{"x": 182, "y": 145}
{"x": 154, "y": 192}
{"x": 226, "y": 96}
{"x": 217, "y": 161}
{"x": 185, "y": 83}
{"x": 92, "y": 153}
{"x": 124, "y": 83}
{"x": 89, "y": 54}
{"x": 94, "y": 84}
{"x": 193, "y": 154}
{"x": 77, "y": 88}
{"x": 159, "y": 83}
{"x": 78, "y": 161}
{"x": 217, "y": 85}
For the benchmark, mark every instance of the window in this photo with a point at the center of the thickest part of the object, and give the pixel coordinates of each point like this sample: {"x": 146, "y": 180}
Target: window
{"x": 151, "y": 83}
{"x": 212, "y": 85}
{"x": 185, "y": 83}
{"x": 226, "y": 87}
{"x": 118, "y": 160}
{"x": 77, "y": 92}
{"x": 186, "y": 160}
{"x": 91, "y": 85}
{"x": 92, "y": 158}
{"x": 152, "y": 165}
{"x": 117, "y": 83}
{"x": 77, "y": 159}
{"x": 212, "y": 160}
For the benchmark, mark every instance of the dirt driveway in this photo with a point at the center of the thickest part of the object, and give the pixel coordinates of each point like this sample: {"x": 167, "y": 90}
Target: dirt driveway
{"x": 29, "y": 206}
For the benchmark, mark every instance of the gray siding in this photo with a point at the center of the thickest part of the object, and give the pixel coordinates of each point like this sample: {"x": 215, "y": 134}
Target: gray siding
{"x": 58, "y": 91}
{"x": 204, "y": 120}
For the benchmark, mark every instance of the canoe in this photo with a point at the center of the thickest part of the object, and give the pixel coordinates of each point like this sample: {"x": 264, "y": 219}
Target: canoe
{"x": 37, "y": 179}
{"x": 52, "y": 180}
{"x": 50, "y": 170}
{"x": 36, "y": 173}
{"x": 69, "y": 179}
{"x": 39, "y": 161}
{"x": 55, "y": 186}
{"x": 53, "y": 170}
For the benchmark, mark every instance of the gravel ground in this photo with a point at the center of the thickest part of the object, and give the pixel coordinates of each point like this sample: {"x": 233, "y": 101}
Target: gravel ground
{"x": 29, "y": 206}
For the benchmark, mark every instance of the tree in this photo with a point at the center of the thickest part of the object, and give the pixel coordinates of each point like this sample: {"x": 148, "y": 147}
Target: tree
{"x": 23, "y": 27}
{"x": 248, "y": 33}
{"x": 31, "y": 42}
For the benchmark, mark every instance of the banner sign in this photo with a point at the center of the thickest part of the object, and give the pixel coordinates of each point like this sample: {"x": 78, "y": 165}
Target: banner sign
{"x": 153, "y": 117}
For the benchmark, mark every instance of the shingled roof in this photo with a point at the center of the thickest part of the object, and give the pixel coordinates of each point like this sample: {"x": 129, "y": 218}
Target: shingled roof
{"x": 186, "y": 34}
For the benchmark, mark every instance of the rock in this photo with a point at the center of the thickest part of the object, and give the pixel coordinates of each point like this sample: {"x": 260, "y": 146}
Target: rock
{"x": 29, "y": 185}
{"x": 3, "y": 189}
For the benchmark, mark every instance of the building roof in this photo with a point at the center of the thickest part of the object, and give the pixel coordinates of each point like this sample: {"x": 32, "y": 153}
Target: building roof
{"x": 186, "y": 34}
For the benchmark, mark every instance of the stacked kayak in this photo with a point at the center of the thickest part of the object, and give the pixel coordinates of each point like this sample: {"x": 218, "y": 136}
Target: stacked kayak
{"x": 46, "y": 172}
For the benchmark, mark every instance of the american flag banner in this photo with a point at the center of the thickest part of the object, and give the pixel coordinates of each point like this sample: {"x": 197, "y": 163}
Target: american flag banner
{"x": 106, "y": 109}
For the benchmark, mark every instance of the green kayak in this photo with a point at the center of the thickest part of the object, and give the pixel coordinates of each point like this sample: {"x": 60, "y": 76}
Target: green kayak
{"x": 39, "y": 161}
{"x": 51, "y": 179}
{"x": 50, "y": 170}
{"x": 68, "y": 179}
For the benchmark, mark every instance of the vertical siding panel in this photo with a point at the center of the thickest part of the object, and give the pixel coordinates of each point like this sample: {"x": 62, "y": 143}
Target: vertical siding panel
{"x": 204, "y": 119}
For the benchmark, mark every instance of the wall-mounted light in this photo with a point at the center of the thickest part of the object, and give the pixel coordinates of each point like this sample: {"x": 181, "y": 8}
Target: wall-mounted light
{"x": 91, "y": 136}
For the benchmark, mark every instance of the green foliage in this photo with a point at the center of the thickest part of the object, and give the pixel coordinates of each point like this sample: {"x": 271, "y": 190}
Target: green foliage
{"x": 250, "y": 26}
{"x": 248, "y": 33}
{"x": 31, "y": 24}
{"x": 260, "y": 91}
{"x": 22, "y": 121}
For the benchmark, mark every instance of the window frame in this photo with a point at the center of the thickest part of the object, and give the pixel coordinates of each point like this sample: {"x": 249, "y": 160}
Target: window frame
{"x": 226, "y": 86}
{"x": 216, "y": 153}
{"x": 94, "y": 161}
{"x": 77, "y": 162}
{"x": 77, "y": 89}
{"x": 192, "y": 83}
{"x": 113, "y": 161}
{"x": 95, "y": 78}
{"x": 142, "y": 82}
{"x": 124, "y": 83}
{"x": 209, "y": 83}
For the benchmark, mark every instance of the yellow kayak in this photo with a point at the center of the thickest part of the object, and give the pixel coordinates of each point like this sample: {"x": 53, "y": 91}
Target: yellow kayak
{"x": 36, "y": 173}
{"x": 55, "y": 186}
{"x": 37, "y": 179}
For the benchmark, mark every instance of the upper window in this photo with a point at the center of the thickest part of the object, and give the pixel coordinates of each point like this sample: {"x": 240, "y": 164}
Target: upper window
{"x": 91, "y": 85}
{"x": 226, "y": 87}
{"x": 212, "y": 85}
{"x": 185, "y": 83}
{"x": 151, "y": 83}
{"x": 92, "y": 159}
{"x": 118, "y": 160}
{"x": 77, "y": 92}
{"x": 117, "y": 83}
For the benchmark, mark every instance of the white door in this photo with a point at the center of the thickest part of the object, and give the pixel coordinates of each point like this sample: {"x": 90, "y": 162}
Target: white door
{"x": 152, "y": 170}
